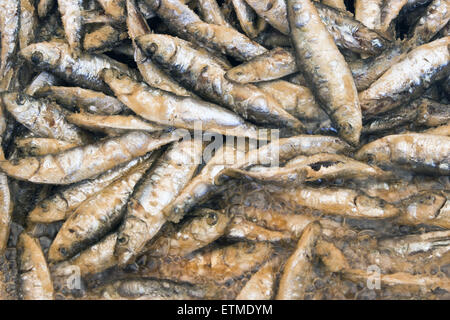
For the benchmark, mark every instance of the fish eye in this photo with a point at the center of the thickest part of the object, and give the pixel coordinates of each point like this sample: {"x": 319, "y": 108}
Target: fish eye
{"x": 37, "y": 57}
{"x": 212, "y": 218}
{"x": 20, "y": 98}
{"x": 122, "y": 240}
{"x": 63, "y": 251}
{"x": 153, "y": 48}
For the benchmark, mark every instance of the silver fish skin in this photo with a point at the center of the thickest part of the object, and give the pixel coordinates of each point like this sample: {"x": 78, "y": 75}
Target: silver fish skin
{"x": 165, "y": 180}
{"x": 326, "y": 68}
{"x": 55, "y": 56}
{"x": 168, "y": 109}
{"x": 87, "y": 161}
{"x": 71, "y": 17}
{"x": 414, "y": 151}
{"x": 190, "y": 65}
{"x": 151, "y": 73}
{"x": 9, "y": 30}
{"x": 407, "y": 79}
{"x": 65, "y": 200}
{"x": 28, "y": 23}
{"x": 75, "y": 98}
{"x": 43, "y": 118}
{"x": 97, "y": 216}
{"x": 41, "y": 80}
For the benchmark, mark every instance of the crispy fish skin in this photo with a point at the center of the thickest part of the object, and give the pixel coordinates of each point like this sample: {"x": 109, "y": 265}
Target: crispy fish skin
{"x": 414, "y": 151}
{"x": 112, "y": 125}
{"x": 6, "y": 209}
{"x": 92, "y": 260}
{"x": 114, "y": 8}
{"x": 246, "y": 17}
{"x": 204, "y": 228}
{"x": 61, "y": 204}
{"x": 87, "y": 161}
{"x": 43, "y": 146}
{"x": 366, "y": 72}
{"x": 103, "y": 39}
{"x": 274, "y": 12}
{"x": 211, "y": 13}
{"x": 400, "y": 279}
{"x": 225, "y": 40}
{"x": 152, "y": 289}
{"x": 152, "y": 74}
{"x": 298, "y": 268}
{"x": 434, "y": 19}
{"x": 245, "y": 230}
{"x": 369, "y": 12}
{"x": 165, "y": 180}
{"x": 218, "y": 265}
{"x": 36, "y": 283}
{"x": 165, "y": 108}
{"x": 95, "y": 217}
{"x": 347, "y": 32}
{"x": 274, "y": 64}
{"x": 55, "y": 57}
{"x": 407, "y": 79}
{"x": 297, "y": 100}
{"x": 28, "y": 23}
{"x": 429, "y": 208}
{"x": 389, "y": 12}
{"x": 9, "y": 30}
{"x": 83, "y": 99}
{"x": 443, "y": 130}
{"x": 420, "y": 112}
{"x": 340, "y": 201}
{"x": 71, "y": 17}
{"x": 412, "y": 244}
{"x": 325, "y": 67}
{"x": 41, "y": 80}
{"x": 321, "y": 166}
{"x": 43, "y": 118}
{"x": 202, "y": 186}
{"x": 198, "y": 70}
{"x": 261, "y": 285}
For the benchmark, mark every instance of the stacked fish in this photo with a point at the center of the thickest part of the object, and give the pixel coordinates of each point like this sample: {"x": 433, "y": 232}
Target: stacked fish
{"x": 105, "y": 190}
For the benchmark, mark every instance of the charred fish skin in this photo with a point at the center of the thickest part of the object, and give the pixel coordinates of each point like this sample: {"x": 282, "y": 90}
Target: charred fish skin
{"x": 55, "y": 56}
{"x": 325, "y": 67}
{"x": 417, "y": 152}
{"x": 97, "y": 216}
{"x": 408, "y": 78}
{"x": 42, "y": 117}
{"x": 165, "y": 108}
{"x": 83, "y": 162}
{"x": 9, "y": 29}
{"x": 165, "y": 180}
{"x": 73, "y": 25}
{"x": 199, "y": 71}
{"x": 36, "y": 283}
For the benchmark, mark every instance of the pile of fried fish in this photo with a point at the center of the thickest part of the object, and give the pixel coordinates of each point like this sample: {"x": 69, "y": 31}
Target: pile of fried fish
{"x": 103, "y": 195}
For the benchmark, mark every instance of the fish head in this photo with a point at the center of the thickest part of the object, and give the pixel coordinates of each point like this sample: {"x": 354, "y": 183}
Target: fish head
{"x": 44, "y": 54}
{"x": 131, "y": 240}
{"x": 158, "y": 46}
{"x": 119, "y": 82}
{"x": 17, "y": 101}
